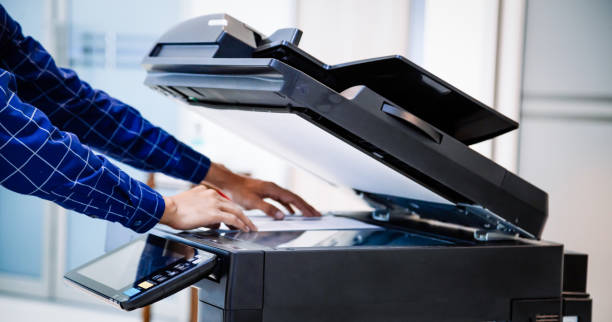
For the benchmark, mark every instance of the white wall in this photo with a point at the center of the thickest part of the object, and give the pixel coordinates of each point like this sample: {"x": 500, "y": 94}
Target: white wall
{"x": 509, "y": 74}
{"x": 567, "y": 128}
{"x": 347, "y": 30}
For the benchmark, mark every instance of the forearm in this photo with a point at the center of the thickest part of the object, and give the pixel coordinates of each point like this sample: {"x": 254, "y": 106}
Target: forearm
{"x": 222, "y": 177}
{"x": 99, "y": 120}
{"x": 38, "y": 159}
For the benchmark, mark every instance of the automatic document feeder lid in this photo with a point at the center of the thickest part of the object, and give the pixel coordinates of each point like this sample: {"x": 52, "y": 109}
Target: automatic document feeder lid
{"x": 385, "y": 127}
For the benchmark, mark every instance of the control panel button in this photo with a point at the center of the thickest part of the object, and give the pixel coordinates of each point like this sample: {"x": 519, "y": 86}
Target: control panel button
{"x": 181, "y": 267}
{"x": 131, "y": 291}
{"x": 145, "y": 285}
{"x": 159, "y": 278}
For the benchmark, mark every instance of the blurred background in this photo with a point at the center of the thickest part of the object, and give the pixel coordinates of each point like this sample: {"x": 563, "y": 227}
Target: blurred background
{"x": 544, "y": 63}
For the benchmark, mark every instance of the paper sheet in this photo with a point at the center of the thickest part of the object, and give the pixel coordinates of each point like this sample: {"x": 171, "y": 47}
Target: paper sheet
{"x": 295, "y": 222}
{"x": 292, "y": 223}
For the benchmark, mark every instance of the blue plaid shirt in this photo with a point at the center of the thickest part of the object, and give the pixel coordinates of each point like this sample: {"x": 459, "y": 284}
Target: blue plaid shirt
{"x": 49, "y": 122}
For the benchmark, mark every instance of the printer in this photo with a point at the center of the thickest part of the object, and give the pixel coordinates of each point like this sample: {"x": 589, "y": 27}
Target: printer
{"x": 456, "y": 236}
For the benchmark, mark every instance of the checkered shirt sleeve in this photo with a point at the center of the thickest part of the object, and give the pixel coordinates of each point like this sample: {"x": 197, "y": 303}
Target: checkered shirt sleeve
{"x": 48, "y": 120}
{"x": 100, "y": 121}
{"x": 36, "y": 158}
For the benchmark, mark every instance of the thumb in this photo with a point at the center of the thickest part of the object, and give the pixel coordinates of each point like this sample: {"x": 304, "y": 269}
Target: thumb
{"x": 270, "y": 210}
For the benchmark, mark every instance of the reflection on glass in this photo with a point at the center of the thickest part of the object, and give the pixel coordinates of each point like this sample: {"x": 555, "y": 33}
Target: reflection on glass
{"x": 136, "y": 261}
{"x": 335, "y": 238}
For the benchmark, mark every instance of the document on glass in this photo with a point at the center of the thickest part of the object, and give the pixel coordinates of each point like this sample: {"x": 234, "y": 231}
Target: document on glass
{"x": 292, "y": 223}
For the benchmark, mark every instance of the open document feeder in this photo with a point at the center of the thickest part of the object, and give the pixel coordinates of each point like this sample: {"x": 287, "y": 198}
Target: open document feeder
{"x": 457, "y": 236}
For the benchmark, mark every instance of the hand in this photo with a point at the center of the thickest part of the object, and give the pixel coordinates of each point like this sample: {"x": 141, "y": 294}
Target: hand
{"x": 203, "y": 207}
{"x": 250, "y": 193}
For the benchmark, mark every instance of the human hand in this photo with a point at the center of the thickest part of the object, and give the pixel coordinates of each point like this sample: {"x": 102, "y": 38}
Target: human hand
{"x": 203, "y": 207}
{"x": 250, "y": 193}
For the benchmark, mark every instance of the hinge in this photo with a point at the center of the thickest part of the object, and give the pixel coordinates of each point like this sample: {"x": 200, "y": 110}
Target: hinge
{"x": 383, "y": 209}
{"x": 485, "y": 235}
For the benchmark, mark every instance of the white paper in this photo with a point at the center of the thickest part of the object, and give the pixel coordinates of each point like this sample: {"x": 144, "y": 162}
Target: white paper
{"x": 311, "y": 238}
{"x": 292, "y": 223}
{"x": 295, "y": 222}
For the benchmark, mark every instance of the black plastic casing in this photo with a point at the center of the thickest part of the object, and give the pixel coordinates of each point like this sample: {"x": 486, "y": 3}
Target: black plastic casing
{"x": 449, "y": 168}
{"x": 441, "y": 283}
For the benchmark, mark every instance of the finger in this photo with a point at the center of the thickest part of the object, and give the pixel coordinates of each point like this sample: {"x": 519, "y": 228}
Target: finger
{"x": 269, "y": 209}
{"x": 288, "y": 207}
{"x": 231, "y": 220}
{"x": 232, "y": 208}
{"x": 287, "y": 197}
{"x": 213, "y": 226}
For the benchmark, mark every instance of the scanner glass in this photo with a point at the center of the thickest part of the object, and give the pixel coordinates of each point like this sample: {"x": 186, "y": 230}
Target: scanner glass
{"x": 336, "y": 238}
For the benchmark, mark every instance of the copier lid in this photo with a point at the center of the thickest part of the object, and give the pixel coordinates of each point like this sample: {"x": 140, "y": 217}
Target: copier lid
{"x": 396, "y": 130}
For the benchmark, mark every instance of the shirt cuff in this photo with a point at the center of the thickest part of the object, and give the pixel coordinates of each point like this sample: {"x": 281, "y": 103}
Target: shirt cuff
{"x": 149, "y": 211}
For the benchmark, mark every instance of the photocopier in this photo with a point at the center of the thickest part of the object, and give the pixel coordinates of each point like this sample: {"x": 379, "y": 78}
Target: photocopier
{"x": 456, "y": 236}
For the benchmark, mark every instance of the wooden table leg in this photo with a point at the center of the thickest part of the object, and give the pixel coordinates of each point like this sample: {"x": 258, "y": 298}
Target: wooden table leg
{"x": 146, "y": 314}
{"x": 193, "y": 310}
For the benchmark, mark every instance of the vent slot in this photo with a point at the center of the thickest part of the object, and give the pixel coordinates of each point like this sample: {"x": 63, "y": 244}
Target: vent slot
{"x": 547, "y": 318}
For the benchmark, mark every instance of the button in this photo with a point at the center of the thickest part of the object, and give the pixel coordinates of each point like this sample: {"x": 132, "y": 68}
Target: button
{"x": 181, "y": 267}
{"x": 137, "y": 222}
{"x": 159, "y": 278}
{"x": 145, "y": 285}
{"x": 131, "y": 291}
{"x": 197, "y": 261}
{"x": 171, "y": 272}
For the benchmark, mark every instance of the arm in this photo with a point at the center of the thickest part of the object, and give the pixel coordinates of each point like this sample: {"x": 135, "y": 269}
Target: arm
{"x": 119, "y": 130}
{"x": 38, "y": 159}
{"x": 99, "y": 120}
